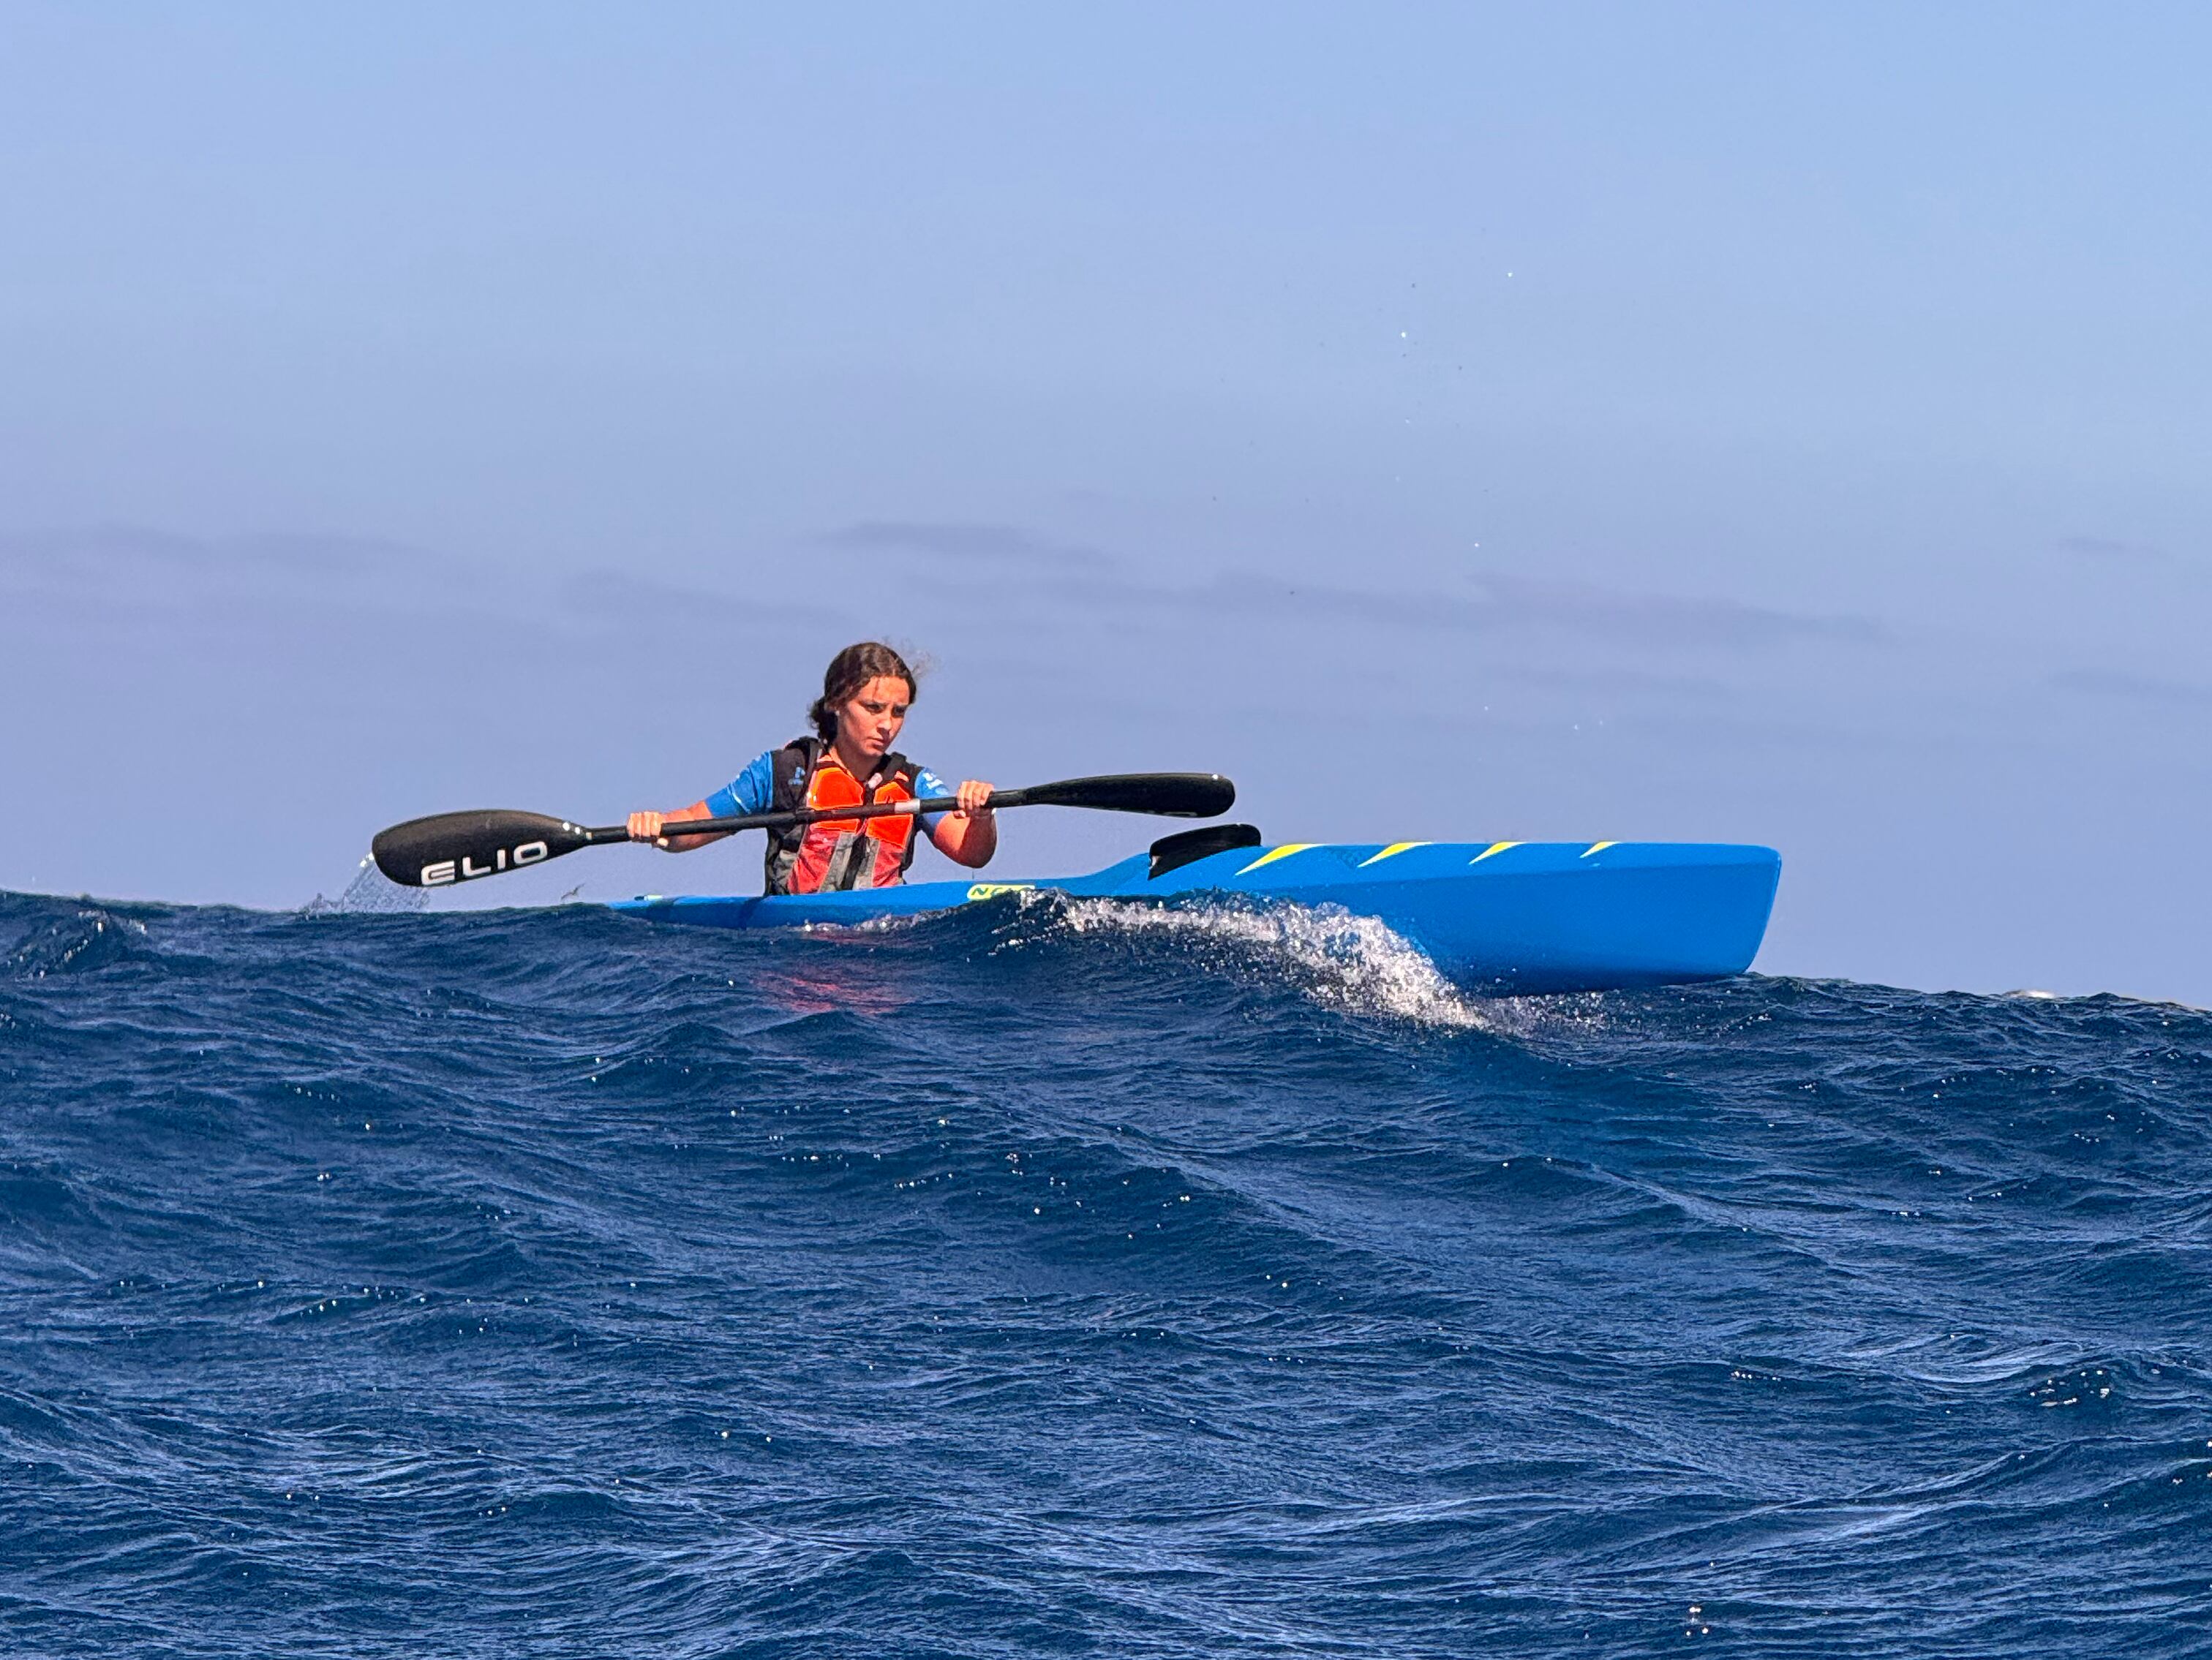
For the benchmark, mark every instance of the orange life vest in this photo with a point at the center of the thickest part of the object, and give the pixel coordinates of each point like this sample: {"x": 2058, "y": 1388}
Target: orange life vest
{"x": 838, "y": 853}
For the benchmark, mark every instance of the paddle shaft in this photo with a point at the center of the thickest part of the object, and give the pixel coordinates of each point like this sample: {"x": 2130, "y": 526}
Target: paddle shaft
{"x": 879, "y": 810}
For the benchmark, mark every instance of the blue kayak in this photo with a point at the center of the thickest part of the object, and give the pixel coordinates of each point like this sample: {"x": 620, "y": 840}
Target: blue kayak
{"x": 1500, "y": 917}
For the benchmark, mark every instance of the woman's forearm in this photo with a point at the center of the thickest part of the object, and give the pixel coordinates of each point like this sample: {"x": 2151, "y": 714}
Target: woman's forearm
{"x": 968, "y": 838}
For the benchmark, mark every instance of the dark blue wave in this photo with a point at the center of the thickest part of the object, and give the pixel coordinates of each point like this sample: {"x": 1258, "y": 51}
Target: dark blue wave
{"x": 1061, "y": 1279}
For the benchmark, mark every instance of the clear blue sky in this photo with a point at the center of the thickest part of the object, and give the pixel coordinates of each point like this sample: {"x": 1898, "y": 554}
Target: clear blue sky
{"x": 1740, "y": 422}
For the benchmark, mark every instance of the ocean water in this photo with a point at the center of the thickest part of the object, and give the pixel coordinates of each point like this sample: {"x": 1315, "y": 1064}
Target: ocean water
{"x": 1049, "y": 1279}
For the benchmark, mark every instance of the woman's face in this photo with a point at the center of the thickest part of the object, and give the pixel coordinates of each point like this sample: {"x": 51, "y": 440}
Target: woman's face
{"x": 870, "y": 720}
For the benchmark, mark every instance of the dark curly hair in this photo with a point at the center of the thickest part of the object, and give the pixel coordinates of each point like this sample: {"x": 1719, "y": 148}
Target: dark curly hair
{"x": 850, "y": 670}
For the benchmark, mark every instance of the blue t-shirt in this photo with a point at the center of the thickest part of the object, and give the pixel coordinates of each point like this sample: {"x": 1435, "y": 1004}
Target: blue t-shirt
{"x": 753, "y": 790}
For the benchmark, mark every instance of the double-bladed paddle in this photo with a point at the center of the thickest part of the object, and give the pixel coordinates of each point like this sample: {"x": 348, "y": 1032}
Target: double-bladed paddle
{"x": 450, "y": 847}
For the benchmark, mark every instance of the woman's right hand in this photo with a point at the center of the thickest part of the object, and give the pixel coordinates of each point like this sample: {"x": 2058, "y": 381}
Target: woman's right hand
{"x": 646, "y": 827}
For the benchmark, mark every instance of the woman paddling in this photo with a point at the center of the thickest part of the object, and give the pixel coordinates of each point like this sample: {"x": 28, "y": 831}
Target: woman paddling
{"x": 848, "y": 762}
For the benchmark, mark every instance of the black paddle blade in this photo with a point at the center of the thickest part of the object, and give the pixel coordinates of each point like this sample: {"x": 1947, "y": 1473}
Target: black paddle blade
{"x": 1171, "y": 794}
{"x": 1188, "y": 846}
{"x": 450, "y": 847}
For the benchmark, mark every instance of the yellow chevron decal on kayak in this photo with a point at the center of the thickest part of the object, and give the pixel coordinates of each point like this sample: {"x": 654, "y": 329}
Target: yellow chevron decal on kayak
{"x": 1599, "y": 847}
{"x": 1494, "y": 847}
{"x": 1391, "y": 851}
{"x": 988, "y": 890}
{"x": 1282, "y": 852}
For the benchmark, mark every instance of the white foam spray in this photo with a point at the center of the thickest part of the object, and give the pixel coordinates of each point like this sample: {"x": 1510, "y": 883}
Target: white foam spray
{"x": 1357, "y": 965}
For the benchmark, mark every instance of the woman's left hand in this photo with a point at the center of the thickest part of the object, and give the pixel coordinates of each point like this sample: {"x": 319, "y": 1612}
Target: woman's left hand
{"x": 975, "y": 798}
